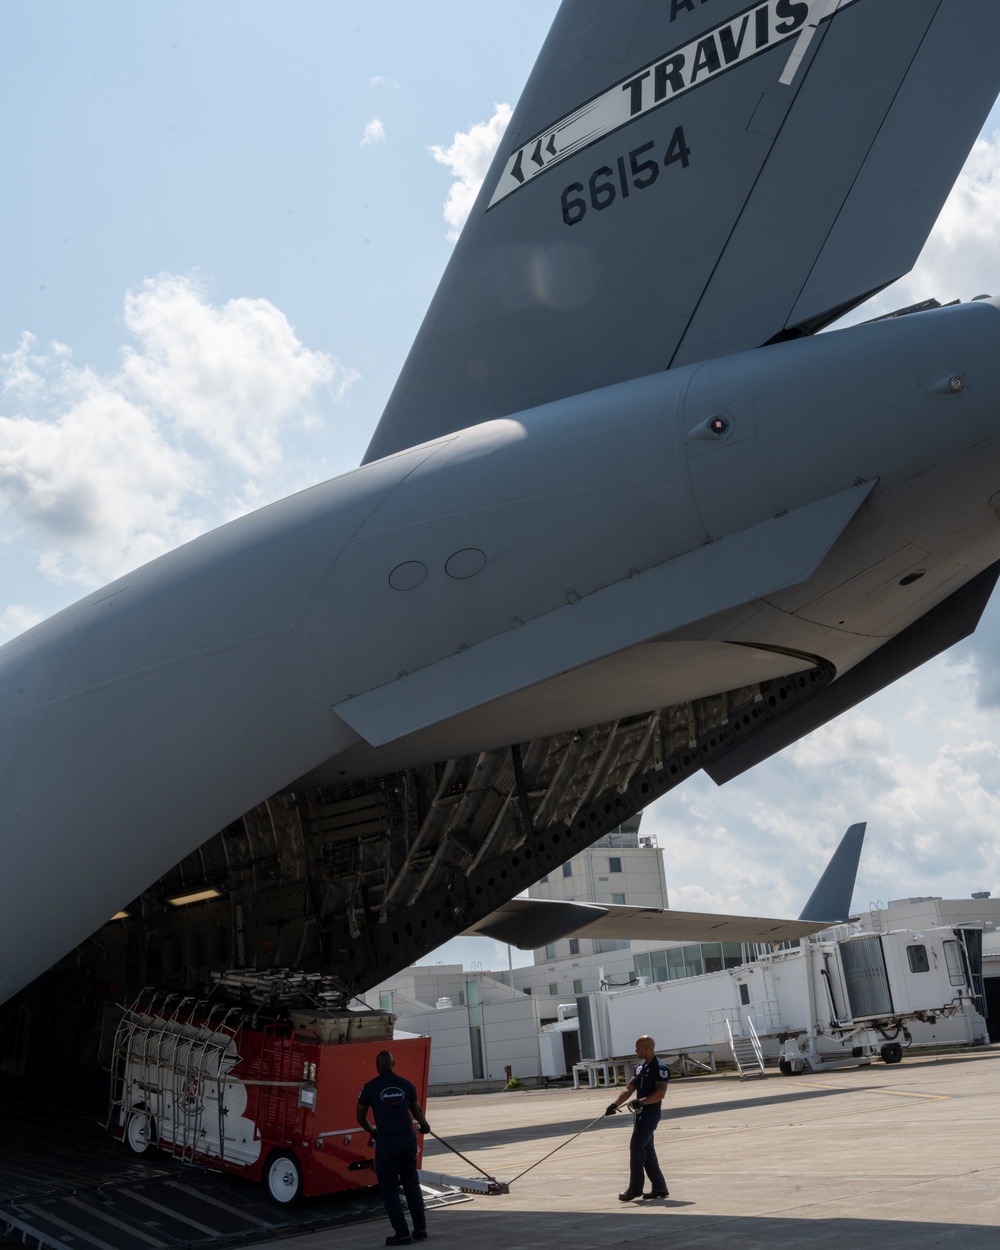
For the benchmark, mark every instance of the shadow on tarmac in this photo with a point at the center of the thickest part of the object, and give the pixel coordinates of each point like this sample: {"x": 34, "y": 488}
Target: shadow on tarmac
{"x": 682, "y": 1229}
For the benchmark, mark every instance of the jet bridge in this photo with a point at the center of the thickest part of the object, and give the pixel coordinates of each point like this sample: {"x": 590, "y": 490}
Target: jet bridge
{"x": 840, "y": 998}
{"x": 868, "y": 991}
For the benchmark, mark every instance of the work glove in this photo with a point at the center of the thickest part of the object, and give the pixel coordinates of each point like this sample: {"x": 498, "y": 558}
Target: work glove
{"x": 635, "y": 1105}
{"x": 612, "y": 1109}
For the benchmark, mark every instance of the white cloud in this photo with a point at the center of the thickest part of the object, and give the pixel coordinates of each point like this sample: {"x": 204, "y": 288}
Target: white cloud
{"x": 469, "y": 158}
{"x": 87, "y": 472}
{"x": 380, "y": 81}
{"x": 235, "y": 375}
{"x": 844, "y": 739}
{"x": 374, "y": 133}
{"x": 101, "y": 472}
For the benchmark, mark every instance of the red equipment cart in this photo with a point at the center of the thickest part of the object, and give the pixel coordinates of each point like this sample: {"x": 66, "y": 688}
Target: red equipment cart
{"x": 265, "y": 1088}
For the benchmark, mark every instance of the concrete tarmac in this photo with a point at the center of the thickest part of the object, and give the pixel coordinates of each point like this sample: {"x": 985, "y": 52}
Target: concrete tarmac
{"x": 878, "y": 1157}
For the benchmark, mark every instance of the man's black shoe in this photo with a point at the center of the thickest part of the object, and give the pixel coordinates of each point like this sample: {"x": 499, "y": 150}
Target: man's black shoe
{"x": 398, "y": 1241}
{"x": 657, "y": 1193}
{"x": 420, "y": 1234}
{"x": 627, "y": 1195}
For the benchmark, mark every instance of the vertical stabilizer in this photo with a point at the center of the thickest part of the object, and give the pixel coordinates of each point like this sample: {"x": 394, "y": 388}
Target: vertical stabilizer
{"x": 831, "y": 900}
{"x": 684, "y": 179}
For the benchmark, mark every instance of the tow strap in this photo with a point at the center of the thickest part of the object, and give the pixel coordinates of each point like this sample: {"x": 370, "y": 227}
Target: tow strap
{"x": 559, "y": 1147}
{"x": 494, "y": 1186}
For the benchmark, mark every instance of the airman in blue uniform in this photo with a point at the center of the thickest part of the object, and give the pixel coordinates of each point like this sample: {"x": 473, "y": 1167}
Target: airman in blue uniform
{"x": 646, "y": 1090}
{"x": 393, "y": 1100}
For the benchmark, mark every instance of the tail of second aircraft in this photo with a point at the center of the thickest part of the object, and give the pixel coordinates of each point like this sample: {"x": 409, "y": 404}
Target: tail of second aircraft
{"x": 831, "y": 899}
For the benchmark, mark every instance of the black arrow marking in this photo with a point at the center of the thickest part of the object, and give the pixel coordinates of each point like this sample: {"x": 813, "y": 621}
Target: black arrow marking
{"x": 536, "y": 156}
{"x": 550, "y": 147}
{"x": 516, "y": 171}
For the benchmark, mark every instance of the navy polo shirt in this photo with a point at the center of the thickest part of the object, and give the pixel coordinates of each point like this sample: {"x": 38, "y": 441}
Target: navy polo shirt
{"x": 647, "y": 1074}
{"x": 390, "y": 1098}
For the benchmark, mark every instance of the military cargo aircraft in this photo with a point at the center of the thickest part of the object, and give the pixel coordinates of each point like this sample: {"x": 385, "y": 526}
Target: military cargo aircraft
{"x": 627, "y": 515}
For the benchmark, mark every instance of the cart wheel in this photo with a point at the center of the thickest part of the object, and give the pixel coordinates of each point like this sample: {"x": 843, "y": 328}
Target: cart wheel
{"x": 785, "y": 1067}
{"x": 140, "y": 1131}
{"x": 283, "y": 1178}
{"x": 892, "y": 1052}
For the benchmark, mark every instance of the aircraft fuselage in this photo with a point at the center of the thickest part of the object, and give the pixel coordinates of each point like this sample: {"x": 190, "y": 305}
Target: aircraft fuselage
{"x": 664, "y": 538}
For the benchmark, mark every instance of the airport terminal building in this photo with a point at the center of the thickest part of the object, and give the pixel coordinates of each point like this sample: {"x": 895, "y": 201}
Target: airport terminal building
{"x": 575, "y": 1004}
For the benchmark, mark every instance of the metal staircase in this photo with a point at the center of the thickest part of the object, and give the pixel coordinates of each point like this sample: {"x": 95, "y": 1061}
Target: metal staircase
{"x": 746, "y": 1051}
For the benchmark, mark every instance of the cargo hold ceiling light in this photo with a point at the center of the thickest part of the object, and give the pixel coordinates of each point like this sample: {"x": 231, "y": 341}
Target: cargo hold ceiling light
{"x": 121, "y": 915}
{"x": 198, "y": 896}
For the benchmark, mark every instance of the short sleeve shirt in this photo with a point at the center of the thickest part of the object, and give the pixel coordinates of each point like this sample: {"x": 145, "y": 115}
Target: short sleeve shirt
{"x": 647, "y": 1074}
{"x": 390, "y": 1098}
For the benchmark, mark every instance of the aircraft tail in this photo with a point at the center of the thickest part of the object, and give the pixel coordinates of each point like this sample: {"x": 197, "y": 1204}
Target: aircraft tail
{"x": 831, "y": 899}
{"x": 682, "y": 180}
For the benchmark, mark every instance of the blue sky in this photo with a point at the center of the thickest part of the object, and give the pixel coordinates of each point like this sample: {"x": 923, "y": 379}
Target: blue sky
{"x": 223, "y": 224}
